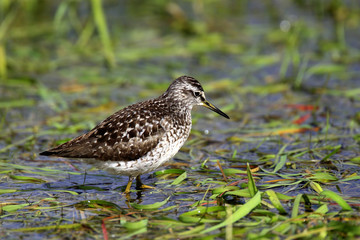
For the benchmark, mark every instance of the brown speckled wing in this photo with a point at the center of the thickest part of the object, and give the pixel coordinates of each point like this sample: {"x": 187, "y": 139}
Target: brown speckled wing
{"x": 124, "y": 136}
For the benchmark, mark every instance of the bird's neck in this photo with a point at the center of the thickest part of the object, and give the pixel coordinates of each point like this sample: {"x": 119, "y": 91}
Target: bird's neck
{"x": 177, "y": 106}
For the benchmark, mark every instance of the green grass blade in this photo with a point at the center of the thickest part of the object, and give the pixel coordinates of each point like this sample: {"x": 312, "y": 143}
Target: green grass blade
{"x": 179, "y": 179}
{"x": 150, "y": 206}
{"x": 296, "y": 205}
{"x": 30, "y": 168}
{"x": 97, "y": 204}
{"x": 322, "y": 69}
{"x": 251, "y": 182}
{"x": 193, "y": 230}
{"x": 16, "y": 102}
{"x": 12, "y": 208}
{"x": 322, "y": 209}
{"x": 279, "y": 155}
{"x": 281, "y": 163}
{"x": 231, "y": 171}
{"x": 240, "y": 193}
{"x": 169, "y": 171}
{"x": 323, "y": 177}
{"x": 275, "y": 201}
{"x": 239, "y": 213}
{"x": 27, "y": 179}
{"x": 136, "y": 225}
{"x": 197, "y": 215}
{"x": 67, "y": 191}
{"x": 316, "y": 187}
{"x": 336, "y": 150}
{"x": 60, "y": 14}
{"x": 336, "y": 198}
{"x": 44, "y": 228}
{"x": 3, "y": 62}
{"x": 2, "y": 191}
{"x": 101, "y": 25}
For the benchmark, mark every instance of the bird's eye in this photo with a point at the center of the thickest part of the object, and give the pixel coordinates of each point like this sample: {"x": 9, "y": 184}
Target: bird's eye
{"x": 196, "y": 94}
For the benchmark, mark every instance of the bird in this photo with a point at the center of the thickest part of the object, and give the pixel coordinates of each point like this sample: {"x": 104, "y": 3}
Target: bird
{"x": 140, "y": 137}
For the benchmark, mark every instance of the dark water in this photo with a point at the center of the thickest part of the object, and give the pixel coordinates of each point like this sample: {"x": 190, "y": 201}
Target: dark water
{"x": 238, "y": 58}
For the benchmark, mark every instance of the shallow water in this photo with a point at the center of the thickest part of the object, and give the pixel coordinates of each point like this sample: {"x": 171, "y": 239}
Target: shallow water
{"x": 291, "y": 95}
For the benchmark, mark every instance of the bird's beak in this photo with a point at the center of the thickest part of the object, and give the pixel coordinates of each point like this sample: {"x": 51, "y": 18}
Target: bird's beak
{"x": 208, "y": 105}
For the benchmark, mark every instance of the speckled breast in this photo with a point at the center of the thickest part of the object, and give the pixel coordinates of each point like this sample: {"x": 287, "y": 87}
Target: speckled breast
{"x": 174, "y": 138}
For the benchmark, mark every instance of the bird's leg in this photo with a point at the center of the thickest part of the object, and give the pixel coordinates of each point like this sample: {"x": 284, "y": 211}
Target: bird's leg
{"x": 128, "y": 186}
{"x": 140, "y": 185}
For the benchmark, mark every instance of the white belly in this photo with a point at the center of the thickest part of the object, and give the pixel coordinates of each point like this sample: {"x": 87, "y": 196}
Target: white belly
{"x": 149, "y": 162}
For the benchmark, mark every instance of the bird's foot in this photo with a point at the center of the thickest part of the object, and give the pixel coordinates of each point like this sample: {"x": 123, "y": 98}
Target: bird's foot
{"x": 143, "y": 186}
{"x": 140, "y": 185}
{"x": 128, "y": 186}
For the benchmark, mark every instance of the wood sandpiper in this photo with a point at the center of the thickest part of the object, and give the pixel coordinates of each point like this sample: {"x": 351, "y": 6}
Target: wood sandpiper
{"x": 141, "y": 137}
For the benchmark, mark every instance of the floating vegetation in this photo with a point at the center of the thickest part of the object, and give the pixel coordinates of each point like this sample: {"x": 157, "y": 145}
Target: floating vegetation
{"x": 285, "y": 167}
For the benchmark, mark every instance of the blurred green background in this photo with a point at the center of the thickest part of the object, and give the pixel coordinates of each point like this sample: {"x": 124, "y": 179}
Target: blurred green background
{"x": 39, "y": 36}
{"x": 75, "y": 46}
{"x": 286, "y": 72}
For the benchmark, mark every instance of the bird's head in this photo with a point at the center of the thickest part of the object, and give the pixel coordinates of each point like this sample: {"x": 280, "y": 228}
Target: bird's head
{"x": 189, "y": 92}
